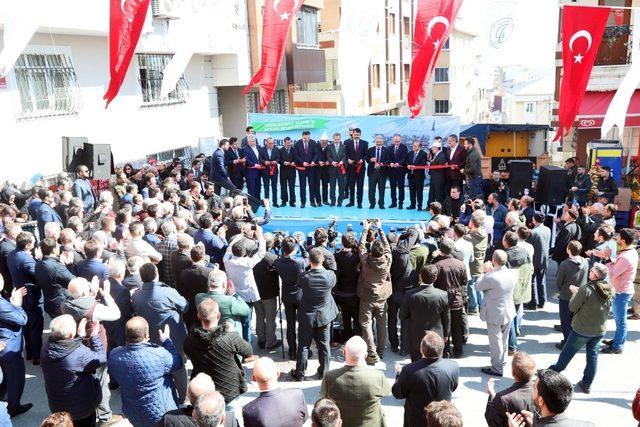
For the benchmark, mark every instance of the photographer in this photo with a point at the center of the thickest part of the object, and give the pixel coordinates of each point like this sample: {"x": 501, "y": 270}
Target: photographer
{"x": 374, "y": 288}
{"x": 242, "y": 213}
{"x": 321, "y": 239}
{"x": 348, "y": 263}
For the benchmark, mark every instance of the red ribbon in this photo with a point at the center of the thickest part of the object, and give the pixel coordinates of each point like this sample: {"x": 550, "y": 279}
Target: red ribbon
{"x": 343, "y": 171}
{"x": 359, "y": 168}
{"x": 433, "y": 167}
{"x": 272, "y": 171}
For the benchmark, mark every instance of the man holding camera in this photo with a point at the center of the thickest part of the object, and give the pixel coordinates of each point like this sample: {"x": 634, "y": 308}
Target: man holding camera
{"x": 374, "y": 288}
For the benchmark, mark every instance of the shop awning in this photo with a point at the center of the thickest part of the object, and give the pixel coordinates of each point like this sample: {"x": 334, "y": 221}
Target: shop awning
{"x": 595, "y": 104}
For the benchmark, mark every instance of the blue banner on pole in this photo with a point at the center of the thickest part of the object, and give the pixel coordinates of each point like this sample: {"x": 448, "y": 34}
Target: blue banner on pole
{"x": 422, "y": 128}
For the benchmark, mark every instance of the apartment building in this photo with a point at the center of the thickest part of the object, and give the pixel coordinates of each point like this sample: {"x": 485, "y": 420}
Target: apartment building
{"x": 612, "y": 63}
{"x": 56, "y": 87}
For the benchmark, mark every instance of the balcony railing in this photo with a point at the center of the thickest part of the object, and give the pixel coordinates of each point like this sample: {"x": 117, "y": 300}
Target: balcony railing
{"x": 615, "y": 47}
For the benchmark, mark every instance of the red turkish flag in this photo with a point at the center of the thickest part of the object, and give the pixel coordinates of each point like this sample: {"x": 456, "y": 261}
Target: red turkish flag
{"x": 582, "y": 29}
{"x": 434, "y": 22}
{"x": 125, "y": 25}
{"x": 278, "y": 15}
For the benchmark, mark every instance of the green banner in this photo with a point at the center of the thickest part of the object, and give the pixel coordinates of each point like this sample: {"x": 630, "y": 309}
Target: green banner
{"x": 281, "y": 126}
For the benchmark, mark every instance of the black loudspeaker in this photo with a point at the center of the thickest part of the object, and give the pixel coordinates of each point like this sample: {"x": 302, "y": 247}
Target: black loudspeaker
{"x": 520, "y": 177}
{"x": 551, "y": 189}
{"x": 72, "y": 152}
{"x": 98, "y": 159}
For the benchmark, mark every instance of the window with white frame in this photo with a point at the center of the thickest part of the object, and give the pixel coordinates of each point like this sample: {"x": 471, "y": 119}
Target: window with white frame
{"x": 442, "y": 75}
{"x": 441, "y": 106}
{"x": 47, "y": 85}
{"x": 307, "y": 26}
{"x": 150, "y": 77}
{"x": 529, "y": 107}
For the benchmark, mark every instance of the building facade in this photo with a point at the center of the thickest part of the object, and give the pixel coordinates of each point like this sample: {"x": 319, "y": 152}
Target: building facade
{"x": 56, "y": 87}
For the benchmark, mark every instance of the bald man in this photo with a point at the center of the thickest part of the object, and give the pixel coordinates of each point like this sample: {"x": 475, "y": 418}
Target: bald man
{"x": 181, "y": 417}
{"x": 275, "y": 406}
{"x": 209, "y": 410}
{"x": 356, "y": 388}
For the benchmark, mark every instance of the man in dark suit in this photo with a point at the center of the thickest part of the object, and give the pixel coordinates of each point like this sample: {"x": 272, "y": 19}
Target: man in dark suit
{"x": 430, "y": 379}
{"x": 269, "y": 288}
{"x": 234, "y": 162}
{"x": 377, "y": 156}
{"x": 7, "y": 245}
{"x": 456, "y": 156}
{"x": 218, "y": 172}
{"x": 426, "y": 308}
{"x": 289, "y": 269}
{"x": 22, "y": 267}
{"x": 287, "y": 174}
{"x": 397, "y": 171}
{"x": 438, "y": 177}
{"x": 337, "y": 158}
{"x": 192, "y": 281}
{"x": 540, "y": 239}
{"x": 83, "y": 189}
{"x": 269, "y": 158}
{"x": 306, "y": 156}
{"x": 570, "y": 231}
{"x": 416, "y": 157}
{"x": 252, "y": 170}
{"x": 249, "y": 132}
{"x": 317, "y": 311}
{"x": 180, "y": 259}
{"x": 275, "y": 406}
{"x": 356, "y": 158}
{"x": 92, "y": 265}
{"x": 46, "y": 213}
{"x": 52, "y": 277}
{"x": 323, "y": 170}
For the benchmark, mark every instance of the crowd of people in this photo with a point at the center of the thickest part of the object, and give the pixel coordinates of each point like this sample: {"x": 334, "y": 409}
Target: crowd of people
{"x": 161, "y": 272}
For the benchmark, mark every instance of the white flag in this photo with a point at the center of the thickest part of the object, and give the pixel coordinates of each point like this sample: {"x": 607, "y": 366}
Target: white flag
{"x": 22, "y": 18}
{"x": 358, "y": 22}
{"x": 617, "y": 111}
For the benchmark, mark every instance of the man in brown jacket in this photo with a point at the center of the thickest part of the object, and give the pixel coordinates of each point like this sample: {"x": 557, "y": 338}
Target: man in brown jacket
{"x": 374, "y": 287}
{"x": 452, "y": 278}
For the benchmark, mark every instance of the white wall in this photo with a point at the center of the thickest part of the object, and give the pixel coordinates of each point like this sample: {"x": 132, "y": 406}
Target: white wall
{"x": 34, "y": 146}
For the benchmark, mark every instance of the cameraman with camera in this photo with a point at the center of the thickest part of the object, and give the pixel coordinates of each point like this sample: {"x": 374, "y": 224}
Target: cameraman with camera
{"x": 321, "y": 239}
{"x": 374, "y": 288}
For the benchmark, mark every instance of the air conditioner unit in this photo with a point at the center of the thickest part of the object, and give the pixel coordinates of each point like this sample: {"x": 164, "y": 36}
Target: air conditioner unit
{"x": 167, "y": 9}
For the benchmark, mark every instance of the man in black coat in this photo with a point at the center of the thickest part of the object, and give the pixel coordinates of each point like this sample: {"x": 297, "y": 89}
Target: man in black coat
{"x": 52, "y": 277}
{"x": 430, "y": 379}
{"x": 287, "y": 174}
{"x": 397, "y": 161}
{"x": 345, "y": 292}
{"x": 357, "y": 159}
{"x": 307, "y": 156}
{"x": 378, "y": 159}
{"x": 193, "y": 281}
{"x": 7, "y": 245}
{"x": 456, "y": 156}
{"x": 269, "y": 288}
{"x": 425, "y": 308}
{"x": 270, "y": 158}
{"x": 437, "y": 177}
{"x": 181, "y": 259}
{"x": 416, "y": 157}
{"x": 515, "y": 398}
{"x": 570, "y": 231}
{"x": 317, "y": 311}
{"x": 324, "y": 169}
{"x": 218, "y": 173}
{"x": 607, "y": 185}
{"x": 234, "y": 163}
{"x": 337, "y": 159}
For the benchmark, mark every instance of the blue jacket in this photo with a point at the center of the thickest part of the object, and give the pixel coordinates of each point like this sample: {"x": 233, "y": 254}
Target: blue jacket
{"x": 22, "y": 267}
{"x": 53, "y": 278}
{"x": 143, "y": 371}
{"x": 499, "y": 215}
{"x": 12, "y": 319}
{"x": 33, "y": 207}
{"x": 82, "y": 188}
{"x": 88, "y": 268}
{"x": 214, "y": 245}
{"x": 252, "y": 160}
{"x": 218, "y": 169}
{"x": 47, "y": 214}
{"x": 68, "y": 367}
{"x": 161, "y": 305}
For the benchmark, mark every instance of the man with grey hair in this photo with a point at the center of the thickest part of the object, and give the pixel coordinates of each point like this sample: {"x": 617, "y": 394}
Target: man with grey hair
{"x": 122, "y": 298}
{"x": 137, "y": 246}
{"x": 356, "y": 388}
{"x": 378, "y": 158}
{"x": 337, "y": 158}
{"x": 252, "y": 173}
{"x": 68, "y": 368}
{"x": 52, "y": 231}
{"x": 397, "y": 161}
{"x": 209, "y": 410}
{"x": 269, "y": 158}
{"x": 497, "y": 308}
{"x": 132, "y": 281}
{"x": 166, "y": 247}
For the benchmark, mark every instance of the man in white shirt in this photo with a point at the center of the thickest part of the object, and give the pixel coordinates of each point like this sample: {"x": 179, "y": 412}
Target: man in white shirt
{"x": 138, "y": 247}
{"x": 239, "y": 268}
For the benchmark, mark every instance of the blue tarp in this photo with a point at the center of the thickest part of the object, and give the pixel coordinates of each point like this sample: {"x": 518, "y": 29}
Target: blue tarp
{"x": 481, "y": 131}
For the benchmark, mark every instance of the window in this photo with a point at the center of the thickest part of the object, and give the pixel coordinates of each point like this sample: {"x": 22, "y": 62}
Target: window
{"x": 407, "y": 72}
{"x": 529, "y": 107}
{"x": 441, "y": 106}
{"x": 308, "y": 27}
{"x": 151, "y": 67}
{"x": 278, "y": 104}
{"x": 446, "y": 45}
{"x": 391, "y": 71}
{"x": 442, "y": 75}
{"x": 375, "y": 75}
{"x": 47, "y": 85}
{"x": 392, "y": 23}
{"x": 406, "y": 23}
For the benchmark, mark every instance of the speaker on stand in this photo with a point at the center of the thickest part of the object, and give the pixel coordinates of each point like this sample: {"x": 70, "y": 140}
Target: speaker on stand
{"x": 520, "y": 178}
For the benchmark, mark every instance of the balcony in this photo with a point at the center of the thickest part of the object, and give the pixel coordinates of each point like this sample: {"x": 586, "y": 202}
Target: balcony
{"x": 613, "y": 60}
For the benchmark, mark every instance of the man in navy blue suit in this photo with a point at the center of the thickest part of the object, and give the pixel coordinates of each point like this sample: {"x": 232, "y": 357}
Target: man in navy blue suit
{"x": 378, "y": 158}
{"x": 45, "y": 212}
{"x": 397, "y": 161}
{"x": 357, "y": 159}
{"x": 306, "y": 156}
{"x": 235, "y": 163}
{"x": 252, "y": 171}
{"x": 269, "y": 158}
{"x": 218, "y": 168}
{"x": 82, "y": 189}
{"x": 22, "y": 267}
{"x": 416, "y": 157}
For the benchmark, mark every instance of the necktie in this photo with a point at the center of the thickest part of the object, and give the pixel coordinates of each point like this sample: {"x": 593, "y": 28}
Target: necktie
{"x": 377, "y": 155}
{"x": 357, "y": 143}
{"x": 415, "y": 156}
{"x": 395, "y": 151}
{"x": 306, "y": 148}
